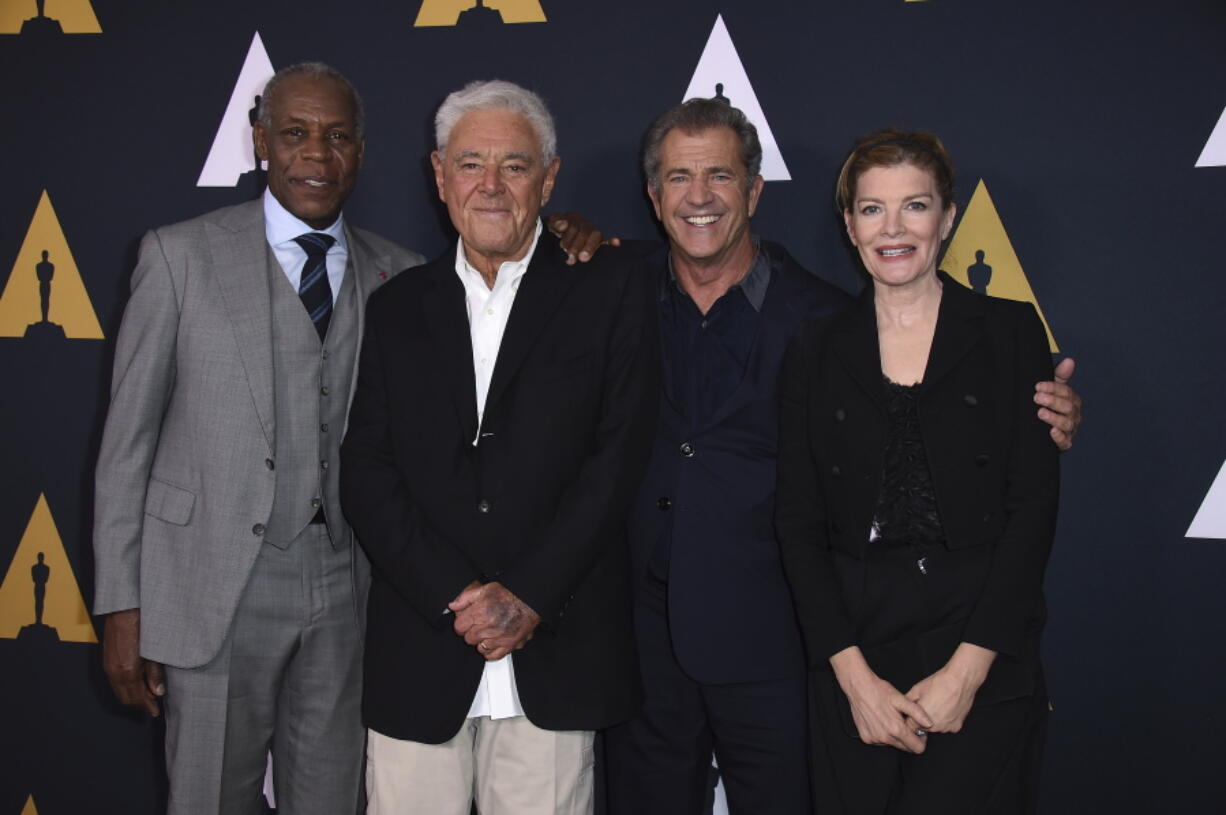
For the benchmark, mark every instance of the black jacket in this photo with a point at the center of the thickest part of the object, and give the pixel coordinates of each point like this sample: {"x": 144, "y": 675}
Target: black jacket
{"x": 994, "y": 468}
{"x": 539, "y": 505}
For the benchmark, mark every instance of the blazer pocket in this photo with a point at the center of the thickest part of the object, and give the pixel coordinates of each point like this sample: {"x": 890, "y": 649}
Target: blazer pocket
{"x": 169, "y": 503}
{"x": 551, "y": 370}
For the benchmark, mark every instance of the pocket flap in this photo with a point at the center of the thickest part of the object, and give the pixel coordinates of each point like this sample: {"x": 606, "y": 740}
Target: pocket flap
{"x": 169, "y": 503}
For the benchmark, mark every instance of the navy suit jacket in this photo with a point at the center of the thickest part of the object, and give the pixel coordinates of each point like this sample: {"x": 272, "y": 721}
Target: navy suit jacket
{"x": 712, "y": 488}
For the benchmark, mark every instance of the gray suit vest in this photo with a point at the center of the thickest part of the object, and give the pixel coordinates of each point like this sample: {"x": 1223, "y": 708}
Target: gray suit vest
{"x": 311, "y": 392}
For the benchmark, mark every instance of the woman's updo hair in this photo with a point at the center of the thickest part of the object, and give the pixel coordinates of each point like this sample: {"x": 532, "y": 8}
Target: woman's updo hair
{"x": 889, "y": 148}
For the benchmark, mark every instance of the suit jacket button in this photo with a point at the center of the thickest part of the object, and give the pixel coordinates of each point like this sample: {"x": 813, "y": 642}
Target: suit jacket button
{"x": 982, "y": 459}
{"x": 483, "y": 506}
{"x": 664, "y": 503}
{"x": 835, "y": 471}
{"x": 687, "y": 449}
{"x": 270, "y": 464}
{"x": 970, "y": 400}
{"x": 840, "y": 414}
{"x": 316, "y": 503}
{"x": 987, "y": 516}
{"x": 836, "y": 529}
{"x": 258, "y": 529}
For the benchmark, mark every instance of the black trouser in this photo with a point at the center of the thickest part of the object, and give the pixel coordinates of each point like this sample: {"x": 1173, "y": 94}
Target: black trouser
{"x": 658, "y": 763}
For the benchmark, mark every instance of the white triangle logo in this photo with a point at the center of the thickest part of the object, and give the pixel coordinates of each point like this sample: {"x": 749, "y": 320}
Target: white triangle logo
{"x": 232, "y": 153}
{"x": 1214, "y": 154}
{"x": 1210, "y": 520}
{"x": 720, "y": 66}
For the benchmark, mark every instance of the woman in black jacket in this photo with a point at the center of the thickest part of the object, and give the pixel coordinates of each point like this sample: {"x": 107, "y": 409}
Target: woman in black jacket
{"x": 916, "y": 507}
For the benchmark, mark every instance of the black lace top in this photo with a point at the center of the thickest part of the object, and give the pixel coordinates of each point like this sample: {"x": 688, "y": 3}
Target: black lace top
{"x": 906, "y": 513}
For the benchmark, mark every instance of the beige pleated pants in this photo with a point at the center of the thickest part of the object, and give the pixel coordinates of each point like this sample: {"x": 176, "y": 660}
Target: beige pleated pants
{"x": 509, "y": 766}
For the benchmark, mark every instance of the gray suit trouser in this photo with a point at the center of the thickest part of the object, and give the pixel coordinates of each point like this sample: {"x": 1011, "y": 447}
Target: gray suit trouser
{"x": 288, "y": 678}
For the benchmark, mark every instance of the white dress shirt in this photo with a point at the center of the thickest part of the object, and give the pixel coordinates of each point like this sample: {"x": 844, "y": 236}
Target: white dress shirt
{"x": 488, "y": 311}
{"x": 281, "y": 227}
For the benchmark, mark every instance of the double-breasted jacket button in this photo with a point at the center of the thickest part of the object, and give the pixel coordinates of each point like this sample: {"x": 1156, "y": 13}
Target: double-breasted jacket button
{"x": 687, "y": 449}
{"x": 971, "y": 400}
{"x": 258, "y": 529}
{"x": 483, "y": 506}
{"x": 839, "y": 414}
{"x": 835, "y": 471}
{"x": 987, "y": 516}
{"x": 663, "y": 503}
{"x": 982, "y": 459}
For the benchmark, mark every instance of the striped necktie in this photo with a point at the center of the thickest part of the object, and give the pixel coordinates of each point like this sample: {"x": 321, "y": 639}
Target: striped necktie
{"x": 313, "y": 288}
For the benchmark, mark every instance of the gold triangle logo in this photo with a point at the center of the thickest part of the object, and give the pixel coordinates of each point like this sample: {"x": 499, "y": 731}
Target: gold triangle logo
{"x": 465, "y": 13}
{"x": 29, "y": 808}
{"x": 40, "y": 598}
{"x": 48, "y": 17}
{"x": 981, "y": 256}
{"x": 45, "y": 296}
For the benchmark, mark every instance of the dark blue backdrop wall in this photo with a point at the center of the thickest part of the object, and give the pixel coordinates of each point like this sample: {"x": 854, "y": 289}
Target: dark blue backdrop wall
{"x": 1078, "y": 129}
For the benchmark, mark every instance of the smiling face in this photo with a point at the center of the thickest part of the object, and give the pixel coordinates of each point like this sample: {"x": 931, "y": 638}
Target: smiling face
{"x": 312, "y": 148}
{"x": 704, "y": 197}
{"x": 897, "y": 221}
{"x": 494, "y": 182}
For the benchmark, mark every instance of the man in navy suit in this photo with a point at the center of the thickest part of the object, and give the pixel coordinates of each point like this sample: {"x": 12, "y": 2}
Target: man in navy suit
{"x": 721, "y": 655}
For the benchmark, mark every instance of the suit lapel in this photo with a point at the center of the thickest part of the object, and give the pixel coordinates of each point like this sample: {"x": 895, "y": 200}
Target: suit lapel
{"x": 855, "y": 343}
{"x": 447, "y": 321}
{"x": 959, "y": 327}
{"x": 540, "y": 292}
{"x": 241, "y": 259}
{"x": 368, "y": 270}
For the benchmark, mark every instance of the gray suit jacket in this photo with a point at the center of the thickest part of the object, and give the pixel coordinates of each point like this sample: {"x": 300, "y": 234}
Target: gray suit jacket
{"x": 182, "y": 484}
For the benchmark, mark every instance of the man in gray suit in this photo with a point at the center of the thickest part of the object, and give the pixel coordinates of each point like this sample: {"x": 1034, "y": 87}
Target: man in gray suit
{"x": 221, "y": 550}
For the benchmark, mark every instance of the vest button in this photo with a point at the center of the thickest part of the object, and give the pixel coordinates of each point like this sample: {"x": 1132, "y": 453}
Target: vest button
{"x": 324, "y": 390}
{"x": 316, "y": 503}
{"x": 483, "y": 506}
{"x": 970, "y": 399}
{"x": 323, "y": 428}
{"x": 323, "y": 465}
{"x": 687, "y": 449}
{"x": 664, "y": 504}
{"x": 270, "y": 464}
{"x": 258, "y": 529}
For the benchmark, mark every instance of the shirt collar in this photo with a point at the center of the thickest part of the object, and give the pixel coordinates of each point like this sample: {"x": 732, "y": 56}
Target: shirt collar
{"x": 510, "y": 270}
{"x": 281, "y": 227}
{"x": 753, "y": 284}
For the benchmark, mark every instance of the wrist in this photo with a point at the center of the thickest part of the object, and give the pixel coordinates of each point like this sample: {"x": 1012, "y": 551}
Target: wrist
{"x": 970, "y": 664}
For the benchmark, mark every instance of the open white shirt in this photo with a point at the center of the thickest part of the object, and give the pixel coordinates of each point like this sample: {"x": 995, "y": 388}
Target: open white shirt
{"x": 488, "y": 311}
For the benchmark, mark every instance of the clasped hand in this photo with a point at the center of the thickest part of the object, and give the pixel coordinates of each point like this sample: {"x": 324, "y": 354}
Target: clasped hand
{"x": 491, "y": 618}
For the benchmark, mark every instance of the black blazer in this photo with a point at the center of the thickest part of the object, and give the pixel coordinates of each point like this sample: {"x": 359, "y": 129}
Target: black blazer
{"x": 539, "y": 505}
{"x": 994, "y": 468}
{"x": 729, "y": 609}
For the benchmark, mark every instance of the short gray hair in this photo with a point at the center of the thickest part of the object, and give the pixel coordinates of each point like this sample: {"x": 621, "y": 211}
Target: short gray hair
{"x": 496, "y": 94}
{"x": 312, "y": 70}
{"x": 693, "y": 116}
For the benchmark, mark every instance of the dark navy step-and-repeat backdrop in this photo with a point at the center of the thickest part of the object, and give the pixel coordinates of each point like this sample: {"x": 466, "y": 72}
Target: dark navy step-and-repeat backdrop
{"x": 1091, "y": 145}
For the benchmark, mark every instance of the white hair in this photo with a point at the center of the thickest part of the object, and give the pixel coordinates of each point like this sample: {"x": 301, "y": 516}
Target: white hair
{"x": 496, "y": 94}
